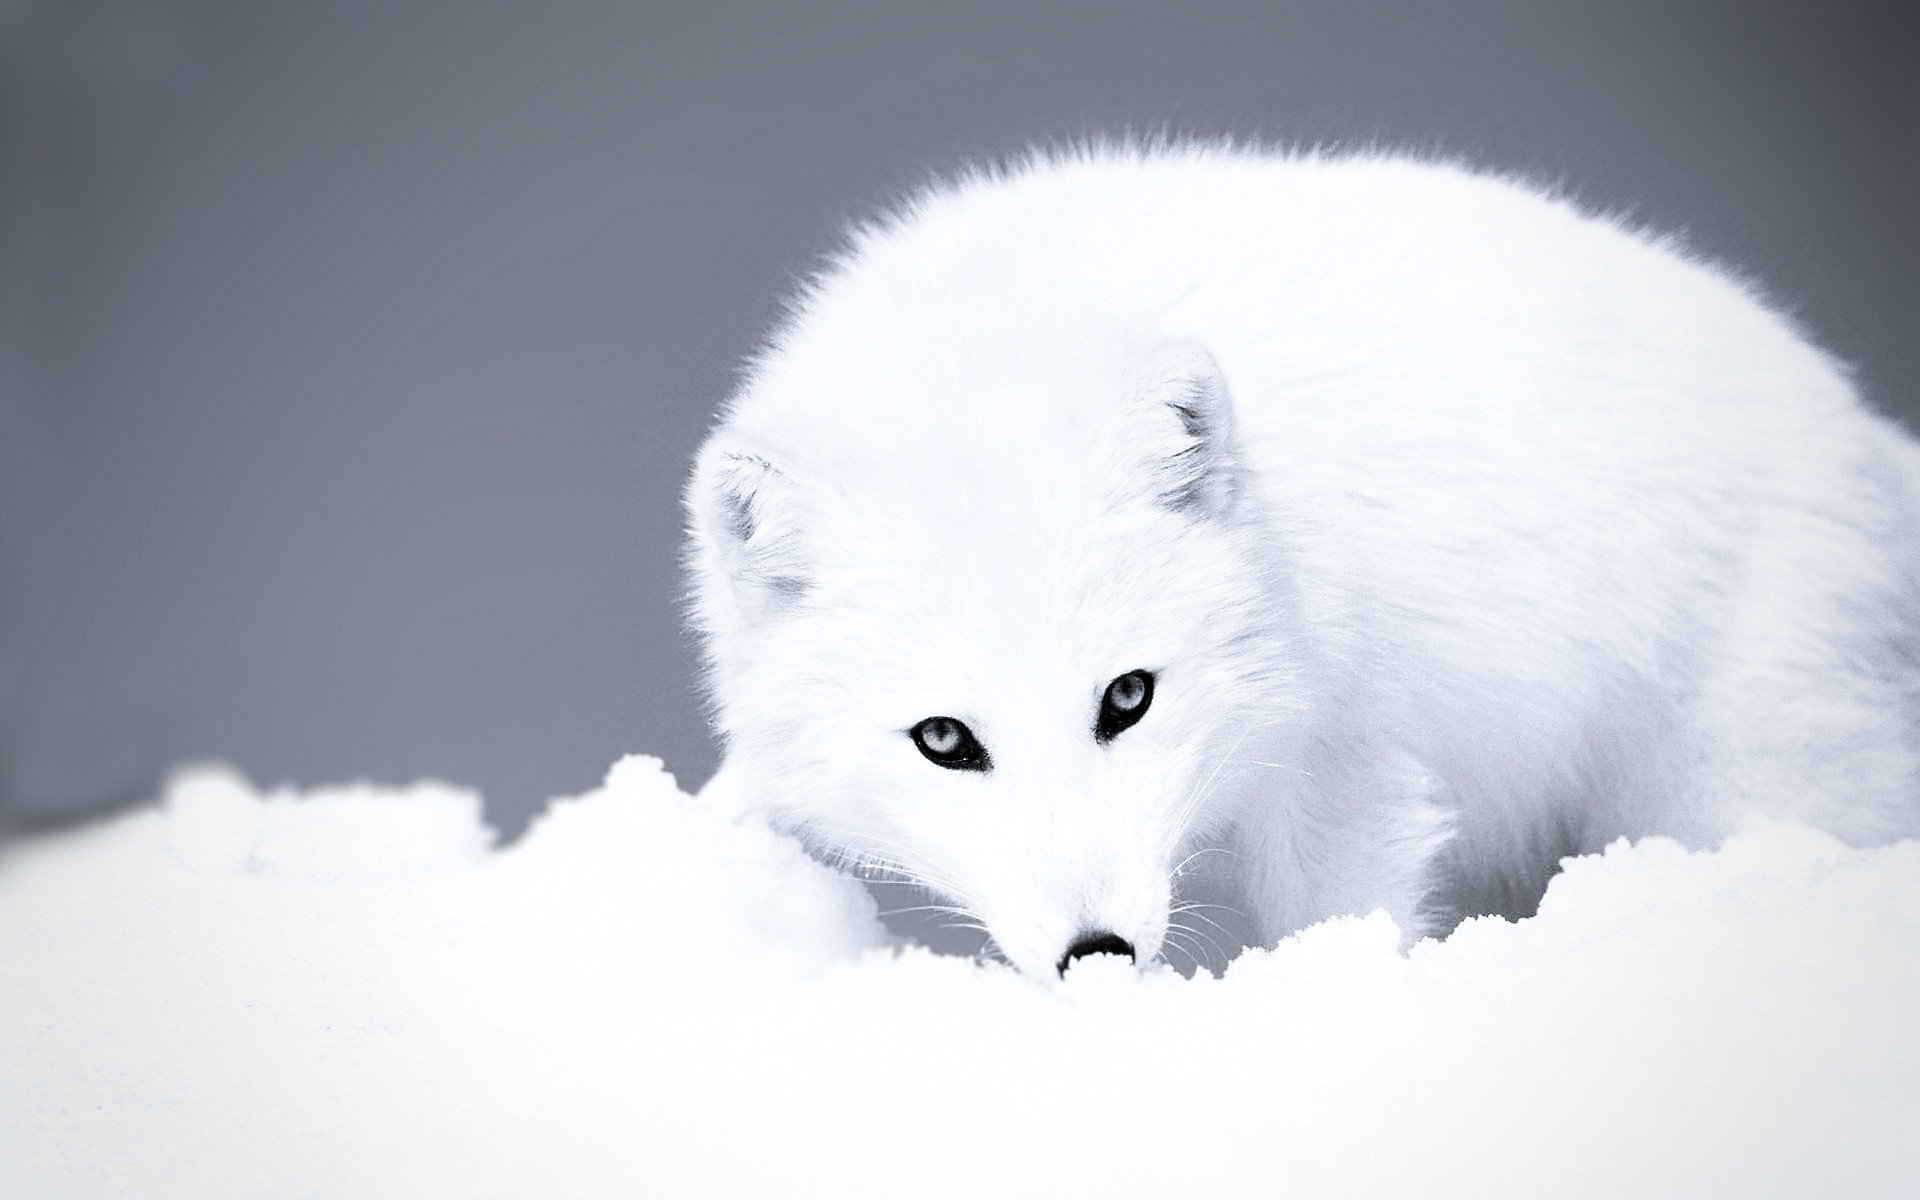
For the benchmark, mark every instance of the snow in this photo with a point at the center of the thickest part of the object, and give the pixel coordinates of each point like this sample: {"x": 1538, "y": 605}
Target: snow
{"x": 352, "y": 993}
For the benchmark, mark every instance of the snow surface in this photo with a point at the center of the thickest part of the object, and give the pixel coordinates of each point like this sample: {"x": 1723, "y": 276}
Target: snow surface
{"x": 350, "y": 993}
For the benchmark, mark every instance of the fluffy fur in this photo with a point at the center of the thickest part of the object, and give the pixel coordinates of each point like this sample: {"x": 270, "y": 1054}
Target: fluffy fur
{"x": 1464, "y": 530}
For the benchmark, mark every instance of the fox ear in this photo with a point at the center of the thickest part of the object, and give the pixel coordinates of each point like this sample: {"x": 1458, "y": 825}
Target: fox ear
{"x": 1195, "y": 461}
{"x": 745, "y": 513}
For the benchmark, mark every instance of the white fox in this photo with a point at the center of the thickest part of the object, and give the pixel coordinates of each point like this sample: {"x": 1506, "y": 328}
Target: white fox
{"x": 1395, "y": 528}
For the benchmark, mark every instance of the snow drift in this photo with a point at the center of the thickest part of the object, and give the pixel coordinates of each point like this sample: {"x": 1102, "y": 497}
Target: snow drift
{"x": 351, "y": 993}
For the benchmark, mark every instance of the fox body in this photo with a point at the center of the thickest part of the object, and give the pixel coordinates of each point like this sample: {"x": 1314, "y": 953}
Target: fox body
{"x": 1394, "y": 528}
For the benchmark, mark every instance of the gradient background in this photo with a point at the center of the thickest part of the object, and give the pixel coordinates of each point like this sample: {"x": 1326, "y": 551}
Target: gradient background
{"x": 351, "y": 354}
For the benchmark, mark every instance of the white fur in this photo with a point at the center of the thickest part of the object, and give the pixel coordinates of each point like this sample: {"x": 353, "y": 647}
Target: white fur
{"x": 1491, "y": 531}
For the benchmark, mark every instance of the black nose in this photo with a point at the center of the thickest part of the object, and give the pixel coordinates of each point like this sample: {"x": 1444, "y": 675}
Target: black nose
{"x": 1097, "y": 942}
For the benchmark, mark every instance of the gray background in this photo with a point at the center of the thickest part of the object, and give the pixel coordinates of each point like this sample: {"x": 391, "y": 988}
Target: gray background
{"x": 351, "y": 353}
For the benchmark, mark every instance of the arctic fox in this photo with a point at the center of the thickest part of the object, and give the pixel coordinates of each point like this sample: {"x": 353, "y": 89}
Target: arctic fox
{"x": 1395, "y": 528}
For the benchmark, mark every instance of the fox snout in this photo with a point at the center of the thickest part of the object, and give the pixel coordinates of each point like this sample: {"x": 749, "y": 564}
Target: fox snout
{"x": 1098, "y": 941}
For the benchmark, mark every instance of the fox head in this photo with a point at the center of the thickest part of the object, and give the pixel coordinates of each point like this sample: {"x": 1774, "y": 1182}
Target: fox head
{"x": 1001, "y": 635}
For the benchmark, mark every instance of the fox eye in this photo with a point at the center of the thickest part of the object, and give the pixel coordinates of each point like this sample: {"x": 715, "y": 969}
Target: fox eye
{"x": 1124, "y": 703}
{"x": 950, "y": 744}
